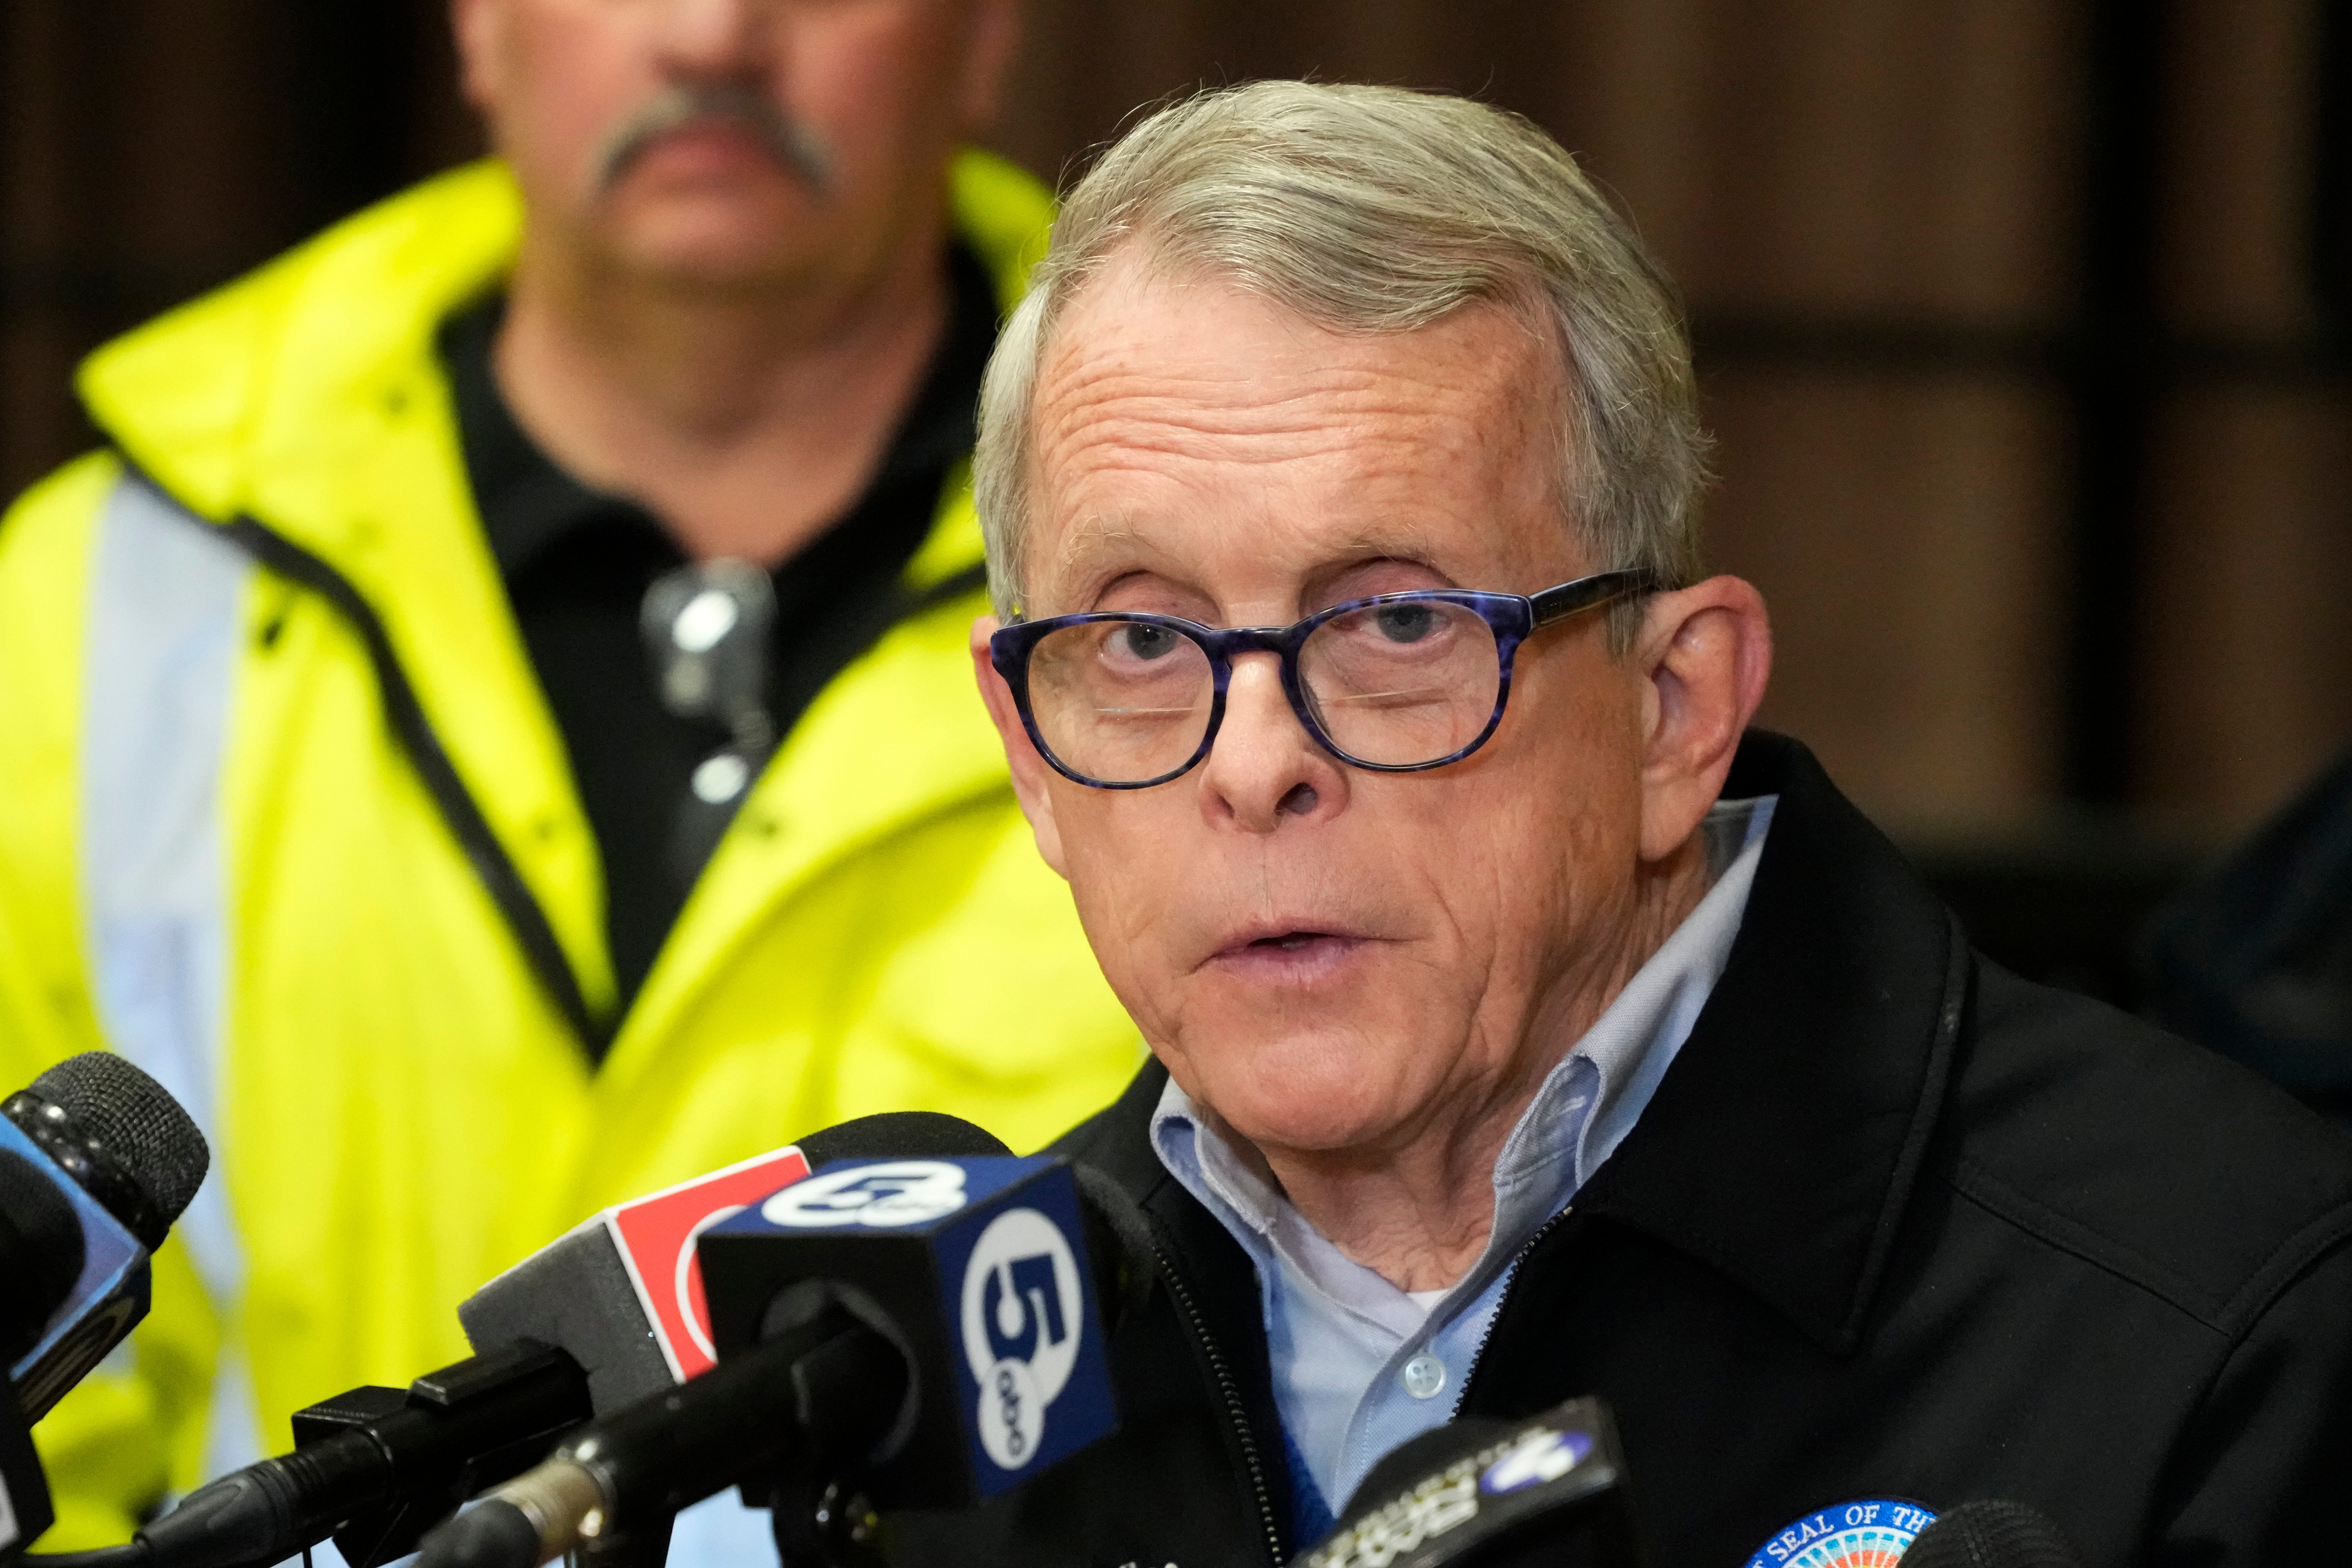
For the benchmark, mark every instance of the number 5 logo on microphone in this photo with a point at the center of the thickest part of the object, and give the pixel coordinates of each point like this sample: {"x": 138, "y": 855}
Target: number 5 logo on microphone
{"x": 1021, "y": 1323}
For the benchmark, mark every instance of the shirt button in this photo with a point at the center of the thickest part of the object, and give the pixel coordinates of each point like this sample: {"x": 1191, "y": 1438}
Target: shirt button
{"x": 1424, "y": 1375}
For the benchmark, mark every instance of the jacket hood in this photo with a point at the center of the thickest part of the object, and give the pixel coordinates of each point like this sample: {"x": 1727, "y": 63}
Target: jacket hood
{"x": 272, "y": 368}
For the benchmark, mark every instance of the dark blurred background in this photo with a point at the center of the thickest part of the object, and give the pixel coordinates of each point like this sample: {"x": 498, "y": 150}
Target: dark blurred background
{"x": 2024, "y": 326}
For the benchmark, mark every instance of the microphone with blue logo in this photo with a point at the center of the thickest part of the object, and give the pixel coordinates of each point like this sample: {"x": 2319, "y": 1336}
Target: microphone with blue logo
{"x": 1547, "y": 1492}
{"x": 921, "y": 1329}
{"x": 96, "y": 1162}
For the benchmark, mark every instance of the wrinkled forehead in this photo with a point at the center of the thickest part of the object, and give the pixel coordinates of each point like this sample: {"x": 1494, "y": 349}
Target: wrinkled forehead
{"x": 1183, "y": 423}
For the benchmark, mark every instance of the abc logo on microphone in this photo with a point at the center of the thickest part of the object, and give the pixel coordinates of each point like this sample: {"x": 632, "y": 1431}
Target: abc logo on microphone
{"x": 1022, "y": 1306}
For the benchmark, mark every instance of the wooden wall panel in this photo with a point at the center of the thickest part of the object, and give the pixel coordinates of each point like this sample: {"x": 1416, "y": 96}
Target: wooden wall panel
{"x": 1845, "y": 155}
{"x": 1842, "y": 159}
{"x": 45, "y": 67}
{"x": 150, "y": 149}
{"x": 2249, "y": 614}
{"x": 2234, "y": 257}
{"x": 1902, "y": 532}
{"x": 1873, "y": 208}
{"x": 2247, "y": 633}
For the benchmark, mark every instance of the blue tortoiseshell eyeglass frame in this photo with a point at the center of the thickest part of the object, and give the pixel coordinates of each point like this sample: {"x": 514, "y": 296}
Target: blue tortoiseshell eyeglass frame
{"x": 1512, "y": 618}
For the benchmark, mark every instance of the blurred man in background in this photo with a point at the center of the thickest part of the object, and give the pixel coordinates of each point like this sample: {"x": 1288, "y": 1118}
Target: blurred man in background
{"x": 492, "y": 732}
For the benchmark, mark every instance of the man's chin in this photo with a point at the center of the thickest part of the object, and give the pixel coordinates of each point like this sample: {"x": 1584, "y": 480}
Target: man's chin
{"x": 718, "y": 230}
{"x": 1316, "y": 1092}
{"x": 1324, "y": 1125}
{"x": 712, "y": 250}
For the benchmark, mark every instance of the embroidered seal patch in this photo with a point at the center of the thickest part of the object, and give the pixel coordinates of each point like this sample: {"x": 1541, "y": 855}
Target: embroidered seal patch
{"x": 1869, "y": 1532}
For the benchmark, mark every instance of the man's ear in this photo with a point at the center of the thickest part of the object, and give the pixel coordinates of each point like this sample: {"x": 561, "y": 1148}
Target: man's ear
{"x": 474, "y": 27}
{"x": 1704, "y": 653}
{"x": 1032, "y": 774}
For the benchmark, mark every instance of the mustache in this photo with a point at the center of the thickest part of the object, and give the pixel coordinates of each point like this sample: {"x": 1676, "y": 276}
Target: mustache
{"x": 797, "y": 149}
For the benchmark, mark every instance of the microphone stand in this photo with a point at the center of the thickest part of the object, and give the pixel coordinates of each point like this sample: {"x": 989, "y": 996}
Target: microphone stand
{"x": 824, "y": 1524}
{"x": 25, "y": 1509}
{"x": 817, "y": 1501}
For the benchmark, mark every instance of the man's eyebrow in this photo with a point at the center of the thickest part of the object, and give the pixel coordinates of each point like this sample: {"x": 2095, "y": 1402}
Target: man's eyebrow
{"x": 1095, "y": 533}
{"x": 1096, "y": 528}
{"x": 1385, "y": 542}
{"x": 1374, "y": 545}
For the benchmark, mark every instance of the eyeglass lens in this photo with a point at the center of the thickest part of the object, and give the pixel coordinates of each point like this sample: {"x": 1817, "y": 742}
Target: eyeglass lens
{"x": 1393, "y": 685}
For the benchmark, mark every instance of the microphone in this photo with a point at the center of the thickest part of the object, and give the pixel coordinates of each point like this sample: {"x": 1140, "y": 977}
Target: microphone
{"x": 1481, "y": 1493}
{"x": 844, "y": 1373}
{"x": 979, "y": 1274}
{"x": 96, "y": 1162}
{"x": 625, "y": 1474}
{"x": 375, "y": 1468}
{"x": 603, "y": 1315}
{"x": 1991, "y": 1533}
{"x": 622, "y": 1292}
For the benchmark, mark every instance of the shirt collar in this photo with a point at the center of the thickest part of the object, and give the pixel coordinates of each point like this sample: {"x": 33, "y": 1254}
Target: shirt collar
{"x": 1583, "y": 1109}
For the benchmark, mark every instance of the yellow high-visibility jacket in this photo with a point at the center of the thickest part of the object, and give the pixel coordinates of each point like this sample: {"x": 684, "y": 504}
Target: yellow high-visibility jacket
{"x": 285, "y": 817}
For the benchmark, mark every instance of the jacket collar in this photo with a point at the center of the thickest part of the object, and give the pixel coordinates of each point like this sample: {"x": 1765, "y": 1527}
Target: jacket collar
{"x": 1216, "y": 1284}
{"x": 1782, "y": 1146}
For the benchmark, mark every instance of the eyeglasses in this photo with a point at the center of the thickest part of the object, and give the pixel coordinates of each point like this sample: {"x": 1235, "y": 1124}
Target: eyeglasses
{"x": 1394, "y": 684}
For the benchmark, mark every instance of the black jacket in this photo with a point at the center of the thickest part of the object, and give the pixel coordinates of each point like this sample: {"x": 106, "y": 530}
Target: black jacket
{"x": 1896, "y": 1225}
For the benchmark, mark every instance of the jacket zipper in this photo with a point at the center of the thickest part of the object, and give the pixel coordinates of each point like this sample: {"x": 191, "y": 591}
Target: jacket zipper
{"x": 1234, "y": 1410}
{"x": 1487, "y": 1335}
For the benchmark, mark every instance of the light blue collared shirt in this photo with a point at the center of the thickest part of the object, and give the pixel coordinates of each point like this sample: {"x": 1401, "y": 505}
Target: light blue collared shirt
{"x": 1360, "y": 1366}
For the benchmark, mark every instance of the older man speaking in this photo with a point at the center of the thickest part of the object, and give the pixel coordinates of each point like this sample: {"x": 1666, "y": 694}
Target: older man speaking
{"x": 1526, "y": 1027}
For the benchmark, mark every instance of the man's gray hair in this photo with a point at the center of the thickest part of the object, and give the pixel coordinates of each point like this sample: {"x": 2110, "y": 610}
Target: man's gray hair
{"x": 1375, "y": 209}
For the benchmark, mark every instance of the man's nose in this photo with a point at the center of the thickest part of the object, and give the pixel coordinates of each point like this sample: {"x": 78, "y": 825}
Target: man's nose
{"x": 713, "y": 37}
{"x": 1264, "y": 766}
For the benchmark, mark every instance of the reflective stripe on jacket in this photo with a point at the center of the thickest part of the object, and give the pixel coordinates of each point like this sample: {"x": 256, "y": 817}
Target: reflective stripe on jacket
{"x": 224, "y": 853}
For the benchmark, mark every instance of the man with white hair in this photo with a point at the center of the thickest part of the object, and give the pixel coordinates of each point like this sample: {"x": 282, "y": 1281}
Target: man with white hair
{"x": 1526, "y": 1027}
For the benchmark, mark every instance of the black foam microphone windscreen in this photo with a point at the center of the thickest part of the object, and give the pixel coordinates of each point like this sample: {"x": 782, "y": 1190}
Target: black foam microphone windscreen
{"x": 97, "y": 1159}
{"x": 1991, "y": 1533}
{"x": 128, "y": 1117}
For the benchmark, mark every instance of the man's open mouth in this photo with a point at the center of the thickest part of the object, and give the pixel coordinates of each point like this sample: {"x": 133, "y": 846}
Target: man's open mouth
{"x": 1292, "y": 940}
{"x": 1283, "y": 949}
